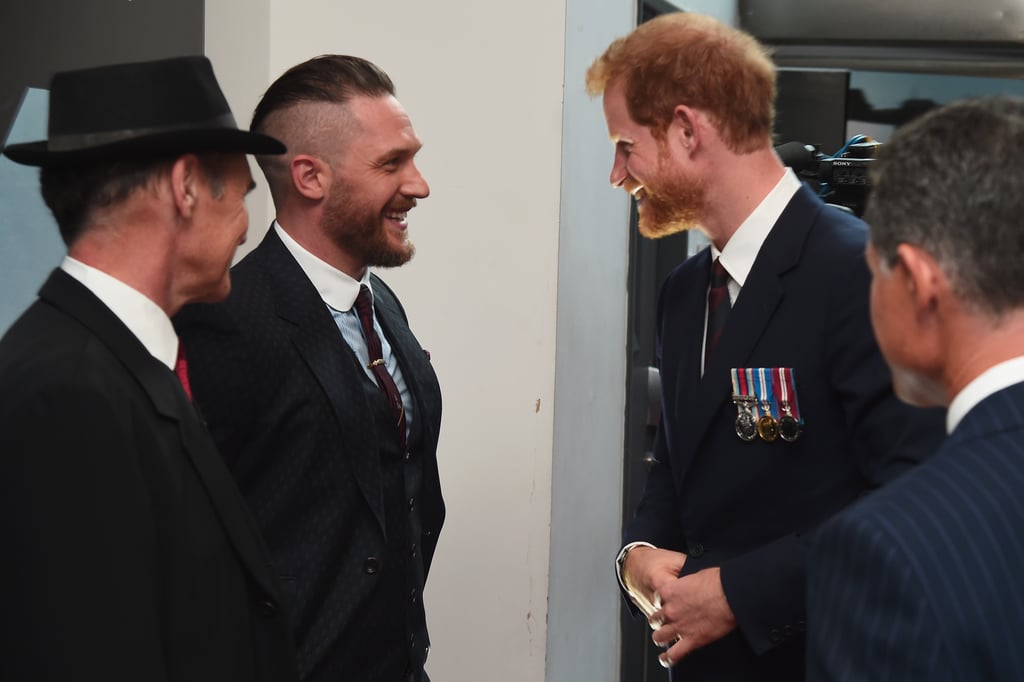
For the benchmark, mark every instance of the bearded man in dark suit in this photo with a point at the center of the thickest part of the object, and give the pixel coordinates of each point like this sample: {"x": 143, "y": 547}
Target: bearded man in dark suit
{"x": 318, "y": 394}
{"x": 777, "y": 407}
{"x": 129, "y": 553}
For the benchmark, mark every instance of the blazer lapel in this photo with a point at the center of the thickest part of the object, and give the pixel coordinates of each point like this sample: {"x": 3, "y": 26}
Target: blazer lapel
{"x": 318, "y": 341}
{"x": 169, "y": 400}
{"x": 411, "y": 358}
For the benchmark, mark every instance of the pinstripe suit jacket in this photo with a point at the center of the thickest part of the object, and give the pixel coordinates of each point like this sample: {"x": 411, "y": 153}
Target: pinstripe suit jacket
{"x": 924, "y": 579}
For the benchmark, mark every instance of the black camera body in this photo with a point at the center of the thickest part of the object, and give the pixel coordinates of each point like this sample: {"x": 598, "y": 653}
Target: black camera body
{"x": 842, "y": 180}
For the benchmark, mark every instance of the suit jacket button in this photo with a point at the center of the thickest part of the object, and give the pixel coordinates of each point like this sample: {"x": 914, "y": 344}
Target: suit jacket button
{"x": 775, "y": 635}
{"x": 268, "y": 608}
{"x": 408, "y": 455}
{"x": 412, "y": 550}
{"x": 696, "y": 550}
{"x": 412, "y": 503}
{"x": 412, "y": 595}
{"x": 371, "y": 565}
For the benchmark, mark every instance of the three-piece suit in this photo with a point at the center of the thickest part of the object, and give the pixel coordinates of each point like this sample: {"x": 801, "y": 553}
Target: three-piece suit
{"x": 350, "y": 516}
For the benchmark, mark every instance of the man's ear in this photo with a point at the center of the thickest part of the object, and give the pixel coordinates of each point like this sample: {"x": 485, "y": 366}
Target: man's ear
{"x": 310, "y": 176}
{"x": 924, "y": 279}
{"x": 186, "y": 176}
{"x": 685, "y": 127}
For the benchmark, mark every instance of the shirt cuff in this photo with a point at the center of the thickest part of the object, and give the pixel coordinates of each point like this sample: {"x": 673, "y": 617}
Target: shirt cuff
{"x": 620, "y": 563}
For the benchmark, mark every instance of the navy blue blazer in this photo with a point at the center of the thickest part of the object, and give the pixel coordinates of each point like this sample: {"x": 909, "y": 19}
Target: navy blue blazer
{"x": 741, "y": 505}
{"x": 129, "y": 553}
{"x": 296, "y": 418}
{"x": 924, "y": 579}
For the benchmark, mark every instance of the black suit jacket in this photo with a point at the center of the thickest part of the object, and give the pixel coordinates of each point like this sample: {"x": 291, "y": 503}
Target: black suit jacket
{"x": 129, "y": 553}
{"x": 744, "y": 505}
{"x": 286, "y": 401}
{"x": 922, "y": 580}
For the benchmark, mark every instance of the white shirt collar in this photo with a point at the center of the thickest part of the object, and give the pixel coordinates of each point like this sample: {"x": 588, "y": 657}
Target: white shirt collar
{"x": 740, "y": 251}
{"x": 336, "y": 288}
{"x": 144, "y": 318}
{"x": 992, "y": 380}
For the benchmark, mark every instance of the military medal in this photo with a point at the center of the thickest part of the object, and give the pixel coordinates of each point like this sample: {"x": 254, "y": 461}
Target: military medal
{"x": 742, "y": 395}
{"x": 767, "y": 426}
{"x": 789, "y": 421}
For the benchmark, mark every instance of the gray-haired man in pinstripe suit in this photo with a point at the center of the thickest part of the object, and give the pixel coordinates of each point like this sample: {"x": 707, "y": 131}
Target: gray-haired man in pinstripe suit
{"x": 924, "y": 579}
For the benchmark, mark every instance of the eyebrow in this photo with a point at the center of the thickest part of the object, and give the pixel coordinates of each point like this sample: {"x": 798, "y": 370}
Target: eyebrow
{"x": 410, "y": 150}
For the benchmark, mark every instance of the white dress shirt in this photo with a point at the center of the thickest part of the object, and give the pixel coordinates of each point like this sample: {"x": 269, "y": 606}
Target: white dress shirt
{"x": 144, "y": 318}
{"x": 338, "y": 292}
{"x": 992, "y": 380}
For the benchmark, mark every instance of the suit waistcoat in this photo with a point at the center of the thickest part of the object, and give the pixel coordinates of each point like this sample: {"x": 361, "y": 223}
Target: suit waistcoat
{"x": 398, "y": 614}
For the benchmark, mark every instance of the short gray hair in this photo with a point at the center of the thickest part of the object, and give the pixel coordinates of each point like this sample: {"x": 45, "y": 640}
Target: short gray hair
{"x": 952, "y": 183}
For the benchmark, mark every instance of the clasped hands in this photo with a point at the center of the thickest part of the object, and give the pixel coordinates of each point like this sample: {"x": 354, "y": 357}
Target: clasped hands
{"x": 685, "y": 613}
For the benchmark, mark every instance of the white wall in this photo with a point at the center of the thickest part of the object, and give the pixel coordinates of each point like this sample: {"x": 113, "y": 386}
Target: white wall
{"x": 518, "y": 289}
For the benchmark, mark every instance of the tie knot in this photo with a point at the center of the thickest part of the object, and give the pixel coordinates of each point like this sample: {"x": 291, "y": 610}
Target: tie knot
{"x": 719, "y": 275}
{"x": 364, "y": 303}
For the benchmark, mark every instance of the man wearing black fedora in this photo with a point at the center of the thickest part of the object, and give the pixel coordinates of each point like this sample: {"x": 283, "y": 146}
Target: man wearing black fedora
{"x": 128, "y": 551}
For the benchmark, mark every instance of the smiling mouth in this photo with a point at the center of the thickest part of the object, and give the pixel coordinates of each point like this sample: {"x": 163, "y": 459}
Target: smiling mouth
{"x": 399, "y": 217}
{"x": 635, "y": 190}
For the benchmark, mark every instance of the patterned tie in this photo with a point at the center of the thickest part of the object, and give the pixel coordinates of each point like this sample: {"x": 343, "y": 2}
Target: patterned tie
{"x": 181, "y": 369}
{"x": 718, "y": 306}
{"x": 364, "y": 308}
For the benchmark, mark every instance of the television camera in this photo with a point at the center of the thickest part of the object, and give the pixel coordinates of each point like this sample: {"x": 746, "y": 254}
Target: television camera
{"x": 842, "y": 179}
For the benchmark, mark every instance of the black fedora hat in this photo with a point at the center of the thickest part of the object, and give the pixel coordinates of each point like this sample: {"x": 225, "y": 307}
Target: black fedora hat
{"x": 138, "y": 110}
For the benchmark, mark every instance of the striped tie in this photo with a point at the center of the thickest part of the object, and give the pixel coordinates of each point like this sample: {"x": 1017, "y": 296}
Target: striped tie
{"x": 718, "y": 306}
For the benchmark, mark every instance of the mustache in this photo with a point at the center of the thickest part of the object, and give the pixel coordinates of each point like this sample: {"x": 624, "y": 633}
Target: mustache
{"x": 404, "y": 206}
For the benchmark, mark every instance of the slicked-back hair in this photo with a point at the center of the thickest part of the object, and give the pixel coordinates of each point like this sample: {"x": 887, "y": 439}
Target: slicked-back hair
{"x": 692, "y": 59}
{"x": 949, "y": 182}
{"x": 329, "y": 78}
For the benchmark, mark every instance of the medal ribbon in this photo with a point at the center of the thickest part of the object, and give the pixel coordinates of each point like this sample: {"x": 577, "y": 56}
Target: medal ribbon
{"x": 781, "y": 390}
{"x": 765, "y": 397}
{"x": 748, "y": 374}
{"x": 786, "y": 383}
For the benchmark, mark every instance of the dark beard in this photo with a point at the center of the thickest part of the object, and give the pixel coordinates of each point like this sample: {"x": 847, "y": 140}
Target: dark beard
{"x": 360, "y": 233}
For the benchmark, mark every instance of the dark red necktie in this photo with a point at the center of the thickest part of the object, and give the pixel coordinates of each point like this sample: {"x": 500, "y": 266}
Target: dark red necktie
{"x": 181, "y": 369}
{"x": 718, "y": 306}
{"x": 364, "y": 308}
